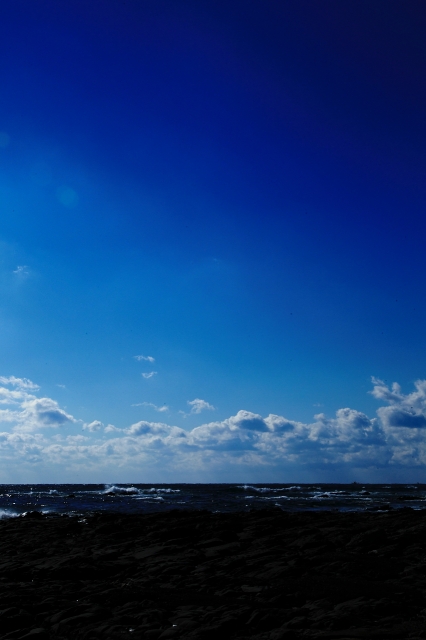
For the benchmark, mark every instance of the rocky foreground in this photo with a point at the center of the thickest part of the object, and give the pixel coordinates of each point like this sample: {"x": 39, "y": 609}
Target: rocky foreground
{"x": 197, "y": 575}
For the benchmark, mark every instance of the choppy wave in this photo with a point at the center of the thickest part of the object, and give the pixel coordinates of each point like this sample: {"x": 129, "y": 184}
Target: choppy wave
{"x": 259, "y": 489}
{"x": 160, "y": 490}
{"x": 114, "y": 489}
{"x": 118, "y": 489}
{"x": 144, "y": 498}
{"x": 7, "y": 514}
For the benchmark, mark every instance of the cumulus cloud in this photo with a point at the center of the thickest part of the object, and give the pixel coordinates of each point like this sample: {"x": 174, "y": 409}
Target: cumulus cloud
{"x": 26, "y": 411}
{"x": 148, "y": 358}
{"x": 96, "y": 425}
{"x": 110, "y": 428}
{"x": 198, "y": 405}
{"x": 36, "y": 431}
{"x": 154, "y": 430}
{"x": 407, "y": 411}
{"x": 38, "y": 413}
{"x": 248, "y": 420}
{"x": 149, "y": 374}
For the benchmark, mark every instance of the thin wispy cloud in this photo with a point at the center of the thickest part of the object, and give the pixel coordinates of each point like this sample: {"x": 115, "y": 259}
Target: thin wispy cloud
{"x": 161, "y": 409}
{"x": 22, "y": 383}
{"x": 21, "y": 271}
{"x": 149, "y": 374}
{"x": 147, "y": 358}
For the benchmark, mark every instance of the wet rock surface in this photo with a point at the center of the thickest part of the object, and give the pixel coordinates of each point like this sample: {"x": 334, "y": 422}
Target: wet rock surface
{"x": 195, "y": 575}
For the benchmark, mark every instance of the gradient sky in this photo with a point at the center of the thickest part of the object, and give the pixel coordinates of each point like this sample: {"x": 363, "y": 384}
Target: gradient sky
{"x": 212, "y": 240}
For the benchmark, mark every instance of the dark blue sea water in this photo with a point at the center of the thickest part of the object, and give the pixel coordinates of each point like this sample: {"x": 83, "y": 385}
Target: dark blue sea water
{"x": 79, "y": 499}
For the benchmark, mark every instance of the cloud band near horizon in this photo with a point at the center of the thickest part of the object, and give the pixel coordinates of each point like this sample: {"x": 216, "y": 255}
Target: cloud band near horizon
{"x": 41, "y": 441}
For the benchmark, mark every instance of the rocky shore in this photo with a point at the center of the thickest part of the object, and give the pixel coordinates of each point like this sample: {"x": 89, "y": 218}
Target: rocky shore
{"x": 196, "y": 575}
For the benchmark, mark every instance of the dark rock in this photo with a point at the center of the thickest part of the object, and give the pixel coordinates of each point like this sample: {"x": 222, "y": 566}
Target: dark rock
{"x": 264, "y": 575}
{"x": 38, "y": 633}
{"x": 153, "y": 634}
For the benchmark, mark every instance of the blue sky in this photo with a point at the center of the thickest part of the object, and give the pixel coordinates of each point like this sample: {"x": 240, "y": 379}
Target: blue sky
{"x": 236, "y": 191}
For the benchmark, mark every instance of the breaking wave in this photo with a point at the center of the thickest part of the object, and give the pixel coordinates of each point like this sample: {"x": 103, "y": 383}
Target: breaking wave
{"x": 120, "y": 490}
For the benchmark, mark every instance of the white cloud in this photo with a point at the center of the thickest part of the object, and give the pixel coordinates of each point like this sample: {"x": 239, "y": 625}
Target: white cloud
{"x": 154, "y": 430}
{"x": 96, "y": 425}
{"x": 26, "y": 411}
{"x": 110, "y": 428}
{"x": 148, "y": 358}
{"x": 198, "y": 405}
{"x": 22, "y": 383}
{"x": 405, "y": 410}
{"x": 79, "y": 439}
{"x": 39, "y": 433}
{"x": 149, "y": 374}
{"x": 38, "y": 413}
{"x": 161, "y": 409}
{"x": 21, "y": 271}
{"x": 9, "y": 396}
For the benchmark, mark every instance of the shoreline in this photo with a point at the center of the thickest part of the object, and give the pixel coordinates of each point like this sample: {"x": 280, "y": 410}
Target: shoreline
{"x": 264, "y": 574}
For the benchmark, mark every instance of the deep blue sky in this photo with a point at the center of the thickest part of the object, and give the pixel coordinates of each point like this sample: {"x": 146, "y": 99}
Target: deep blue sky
{"x": 235, "y": 189}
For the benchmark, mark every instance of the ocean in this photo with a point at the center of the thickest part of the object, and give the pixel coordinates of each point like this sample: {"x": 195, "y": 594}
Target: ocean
{"x": 83, "y": 499}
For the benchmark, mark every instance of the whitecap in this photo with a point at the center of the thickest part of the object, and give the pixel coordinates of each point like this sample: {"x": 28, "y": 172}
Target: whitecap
{"x": 160, "y": 490}
{"x": 113, "y": 489}
{"x": 7, "y": 514}
{"x": 258, "y": 489}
